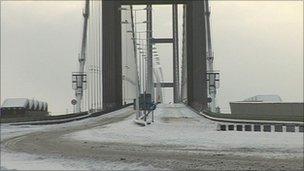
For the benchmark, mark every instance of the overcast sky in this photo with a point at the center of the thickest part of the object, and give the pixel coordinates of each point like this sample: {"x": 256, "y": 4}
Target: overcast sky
{"x": 258, "y": 49}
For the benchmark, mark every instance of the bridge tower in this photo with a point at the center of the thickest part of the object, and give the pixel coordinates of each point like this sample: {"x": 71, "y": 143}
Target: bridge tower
{"x": 195, "y": 44}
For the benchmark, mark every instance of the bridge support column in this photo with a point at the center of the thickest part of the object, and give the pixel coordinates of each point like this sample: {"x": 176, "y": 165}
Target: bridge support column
{"x": 196, "y": 55}
{"x": 111, "y": 55}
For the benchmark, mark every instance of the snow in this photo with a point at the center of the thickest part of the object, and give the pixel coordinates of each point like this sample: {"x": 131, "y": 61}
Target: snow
{"x": 175, "y": 125}
{"x": 23, "y": 161}
{"x": 178, "y": 125}
{"x": 8, "y": 131}
{"x": 11, "y": 160}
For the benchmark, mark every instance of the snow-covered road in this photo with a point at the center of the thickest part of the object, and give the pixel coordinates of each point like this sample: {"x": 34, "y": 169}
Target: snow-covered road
{"x": 29, "y": 159}
{"x": 179, "y": 139}
{"x": 179, "y": 126}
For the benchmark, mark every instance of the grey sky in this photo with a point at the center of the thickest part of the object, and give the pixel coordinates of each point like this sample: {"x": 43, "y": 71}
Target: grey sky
{"x": 258, "y": 49}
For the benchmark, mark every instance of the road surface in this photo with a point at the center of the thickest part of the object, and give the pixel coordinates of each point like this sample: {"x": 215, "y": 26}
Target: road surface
{"x": 112, "y": 138}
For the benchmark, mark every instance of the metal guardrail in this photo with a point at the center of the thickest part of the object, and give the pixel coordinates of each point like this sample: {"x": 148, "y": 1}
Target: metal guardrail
{"x": 47, "y": 122}
{"x": 33, "y": 118}
{"x": 66, "y": 118}
{"x": 79, "y": 116}
{"x": 249, "y": 121}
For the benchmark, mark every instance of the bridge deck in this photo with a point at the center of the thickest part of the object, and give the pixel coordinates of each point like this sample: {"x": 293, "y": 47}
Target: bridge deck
{"x": 179, "y": 139}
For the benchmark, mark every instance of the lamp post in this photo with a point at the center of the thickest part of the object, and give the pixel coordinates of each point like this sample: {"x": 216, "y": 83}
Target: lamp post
{"x": 137, "y": 43}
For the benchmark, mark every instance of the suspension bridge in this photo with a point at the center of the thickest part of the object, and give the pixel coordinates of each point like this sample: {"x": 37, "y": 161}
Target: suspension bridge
{"x": 119, "y": 59}
{"x": 120, "y": 66}
{"x": 119, "y": 63}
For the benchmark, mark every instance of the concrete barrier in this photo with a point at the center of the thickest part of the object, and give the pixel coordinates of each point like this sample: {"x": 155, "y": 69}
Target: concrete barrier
{"x": 231, "y": 127}
{"x": 301, "y": 128}
{"x": 267, "y": 128}
{"x": 239, "y": 127}
{"x": 260, "y": 127}
{"x": 223, "y": 127}
{"x": 248, "y": 127}
{"x": 257, "y": 128}
{"x": 278, "y": 128}
{"x": 290, "y": 128}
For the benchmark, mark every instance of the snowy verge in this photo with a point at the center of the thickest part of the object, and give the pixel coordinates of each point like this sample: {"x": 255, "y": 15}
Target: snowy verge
{"x": 11, "y": 160}
{"x": 176, "y": 125}
{"x": 23, "y": 161}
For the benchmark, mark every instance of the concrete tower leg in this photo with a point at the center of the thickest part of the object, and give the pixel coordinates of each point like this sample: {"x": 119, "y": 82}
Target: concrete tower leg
{"x": 111, "y": 55}
{"x": 196, "y": 55}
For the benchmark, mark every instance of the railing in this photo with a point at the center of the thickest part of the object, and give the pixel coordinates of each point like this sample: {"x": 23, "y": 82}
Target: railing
{"x": 56, "y": 119}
